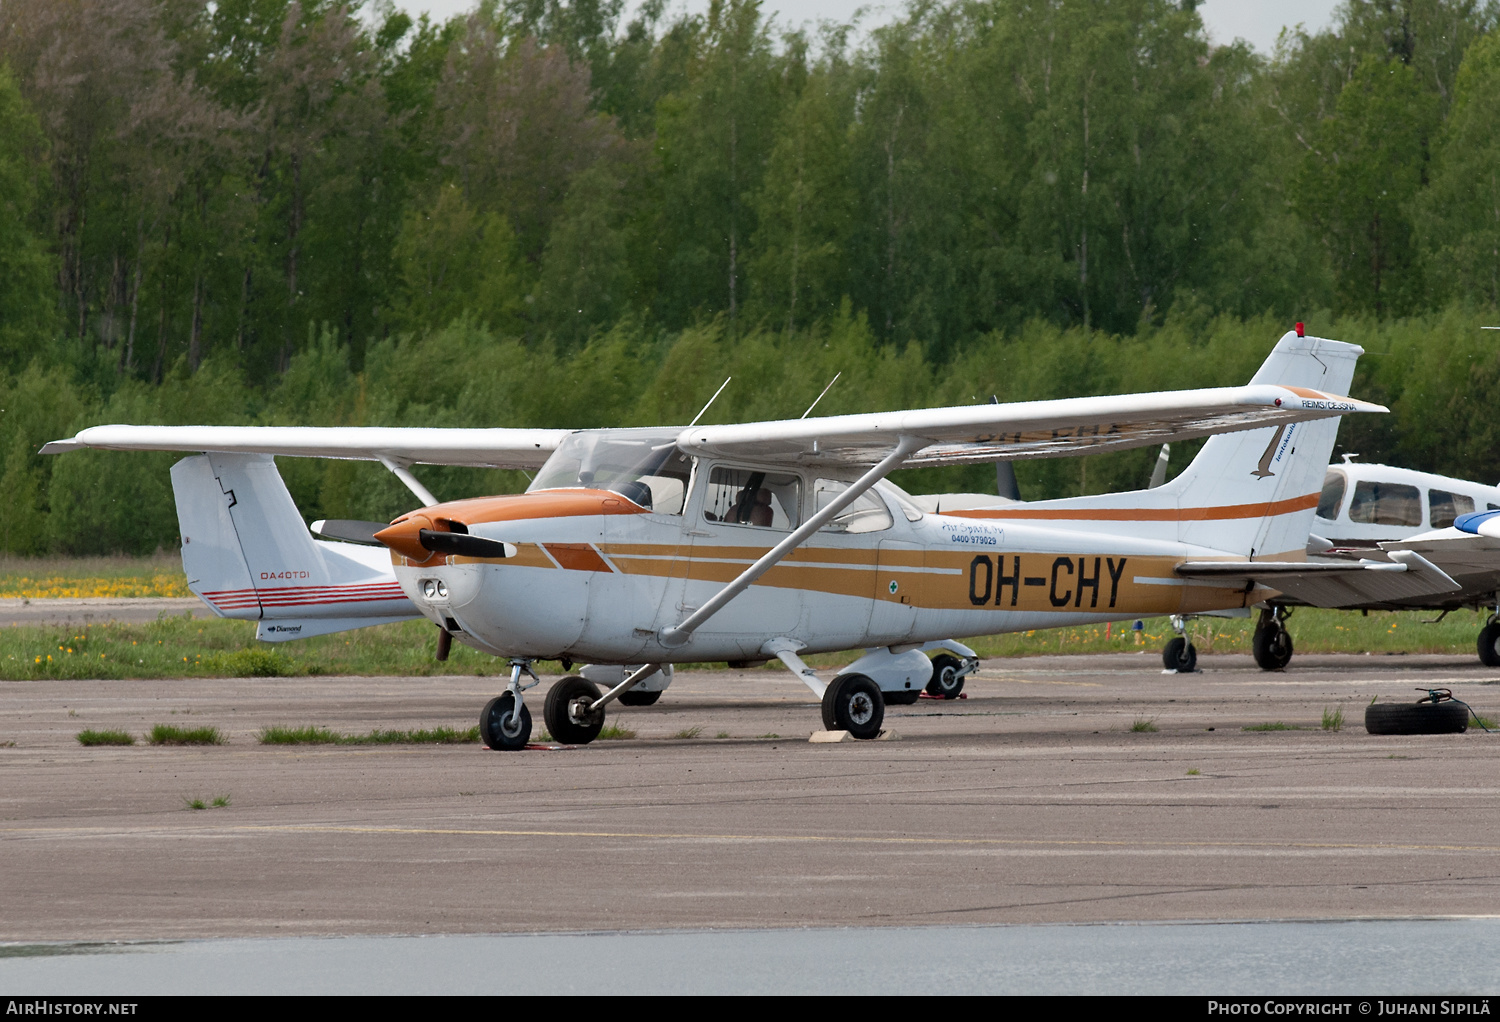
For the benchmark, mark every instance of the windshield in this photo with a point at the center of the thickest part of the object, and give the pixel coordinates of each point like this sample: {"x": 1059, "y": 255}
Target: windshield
{"x": 643, "y": 466}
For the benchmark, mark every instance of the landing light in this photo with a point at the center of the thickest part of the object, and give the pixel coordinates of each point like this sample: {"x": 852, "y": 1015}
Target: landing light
{"x": 434, "y": 589}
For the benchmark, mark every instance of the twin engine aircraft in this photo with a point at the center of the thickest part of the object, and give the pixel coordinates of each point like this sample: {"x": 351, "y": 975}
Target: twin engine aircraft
{"x": 637, "y": 549}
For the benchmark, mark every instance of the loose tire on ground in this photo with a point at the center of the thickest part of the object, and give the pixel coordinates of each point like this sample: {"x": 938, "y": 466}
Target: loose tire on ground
{"x": 1445, "y": 718}
{"x": 1489, "y": 644}
{"x": 1272, "y": 648}
{"x": 560, "y": 722}
{"x": 633, "y": 698}
{"x": 1181, "y": 656}
{"x": 946, "y": 682}
{"x": 853, "y": 703}
{"x": 495, "y": 720}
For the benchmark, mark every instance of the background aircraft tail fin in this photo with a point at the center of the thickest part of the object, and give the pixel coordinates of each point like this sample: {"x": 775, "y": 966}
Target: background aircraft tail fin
{"x": 1254, "y": 492}
{"x": 248, "y": 554}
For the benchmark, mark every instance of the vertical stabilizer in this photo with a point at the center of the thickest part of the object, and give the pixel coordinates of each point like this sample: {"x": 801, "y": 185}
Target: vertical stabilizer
{"x": 1254, "y": 492}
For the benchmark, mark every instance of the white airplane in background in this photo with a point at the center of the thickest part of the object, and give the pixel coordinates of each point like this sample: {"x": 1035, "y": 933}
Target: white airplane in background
{"x": 1376, "y": 512}
{"x": 748, "y": 542}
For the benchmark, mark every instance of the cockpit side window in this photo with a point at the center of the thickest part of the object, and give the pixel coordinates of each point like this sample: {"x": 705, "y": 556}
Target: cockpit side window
{"x": 1376, "y": 503}
{"x": 1445, "y": 507}
{"x": 1332, "y": 496}
{"x": 867, "y": 513}
{"x": 747, "y": 496}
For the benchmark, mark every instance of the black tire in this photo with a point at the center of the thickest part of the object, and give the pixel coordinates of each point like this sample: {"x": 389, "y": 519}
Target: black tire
{"x": 1489, "y": 644}
{"x": 1445, "y": 718}
{"x": 634, "y": 698}
{"x": 1272, "y": 648}
{"x": 946, "y": 682}
{"x": 853, "y": 703}
{"x": 564, "y": 725}
{"x": 1180, "y": 656}
{"x": 904, "y": 698}
{"x": 496, "y": 727}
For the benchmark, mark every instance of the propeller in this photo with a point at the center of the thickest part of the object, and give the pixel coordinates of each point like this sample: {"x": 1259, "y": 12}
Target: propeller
{"x": 460, "y": 543}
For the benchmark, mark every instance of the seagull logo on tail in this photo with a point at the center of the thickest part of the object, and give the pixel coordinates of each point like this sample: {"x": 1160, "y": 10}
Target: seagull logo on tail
{"x": 1264, "y": 468}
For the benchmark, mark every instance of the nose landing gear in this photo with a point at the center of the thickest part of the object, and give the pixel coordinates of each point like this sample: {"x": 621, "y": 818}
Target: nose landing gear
{"x": 1272, "y": 643}
{"x": 505, "y": 722}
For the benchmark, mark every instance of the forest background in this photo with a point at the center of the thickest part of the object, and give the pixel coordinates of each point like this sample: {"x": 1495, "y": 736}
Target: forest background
{"x": 542, "y": 214}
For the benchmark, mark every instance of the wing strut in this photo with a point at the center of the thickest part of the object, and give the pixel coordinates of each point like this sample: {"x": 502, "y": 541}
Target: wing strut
{"x": 679, "y": 634}
{"x": 400, "y": 470}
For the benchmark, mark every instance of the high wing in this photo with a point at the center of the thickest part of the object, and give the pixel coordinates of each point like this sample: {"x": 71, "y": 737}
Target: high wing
{"x": 1406, "y": 576}
{"x": 957, "y": 435}
{"x": 476, "y": 448}
{"x": 1027, "y": 429}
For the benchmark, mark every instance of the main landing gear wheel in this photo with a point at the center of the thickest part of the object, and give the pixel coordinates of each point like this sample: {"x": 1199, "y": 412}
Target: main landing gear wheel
{"x": 565, "y": 720}
{"x": 500, "y": 727}
{"x": 1180, "y": 656}
{"x": 946, "y": 681}
{"x": 1489, "y": 644}
{"x": 634, "y": 698}
{"x": 853, "y": 703}
{"x": 1271, "y": 645}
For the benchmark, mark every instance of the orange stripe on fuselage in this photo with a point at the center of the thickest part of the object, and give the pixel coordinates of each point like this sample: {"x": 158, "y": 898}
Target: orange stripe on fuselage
{"x": 1146, "y": 514}
{"x": 577, "y": 557}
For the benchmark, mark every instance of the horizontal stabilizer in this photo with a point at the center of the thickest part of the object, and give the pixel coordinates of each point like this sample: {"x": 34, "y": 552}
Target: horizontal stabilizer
{"x": 347, "y": 530}
{"x": 1407, "y": 576}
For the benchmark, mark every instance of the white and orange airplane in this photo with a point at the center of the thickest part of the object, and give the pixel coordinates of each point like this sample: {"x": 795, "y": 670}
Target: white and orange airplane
{"x": 637, "y": 549}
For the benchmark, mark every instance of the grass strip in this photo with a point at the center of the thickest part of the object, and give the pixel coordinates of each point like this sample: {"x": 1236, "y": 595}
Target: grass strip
{"x": 171, "y": 734}
{"x": 311, "y": 735}
{"x": 1274, "y": 725}
{"x": 112, "y": 736}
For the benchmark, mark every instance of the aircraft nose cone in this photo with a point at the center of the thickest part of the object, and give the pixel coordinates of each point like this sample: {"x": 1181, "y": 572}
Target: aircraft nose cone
{"x": 404, "y": 537}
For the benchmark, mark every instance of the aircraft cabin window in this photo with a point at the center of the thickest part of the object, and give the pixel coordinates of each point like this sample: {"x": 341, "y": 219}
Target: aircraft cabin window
{"x": 1385, "y": 504}
{"x": 643, "y": 466}
{"x": 1445, "y": 507}
{"x": 745, "y": 496}
{"x": 867, "y": 513}
{"x": 1332, "y": 496}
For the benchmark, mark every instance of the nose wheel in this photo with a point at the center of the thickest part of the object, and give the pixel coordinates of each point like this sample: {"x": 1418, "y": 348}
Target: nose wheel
{"x": 1180, "y": 654}
{"x": 1272, "y": 643}
{"x": 501, "y": 727}
{"x": 505, "y": 722}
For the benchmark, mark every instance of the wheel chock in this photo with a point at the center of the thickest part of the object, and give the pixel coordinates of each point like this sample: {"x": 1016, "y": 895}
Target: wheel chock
{"x": 836, "y": 737}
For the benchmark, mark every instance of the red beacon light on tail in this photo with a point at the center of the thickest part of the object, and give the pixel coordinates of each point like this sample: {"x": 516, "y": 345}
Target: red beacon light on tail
{"x": 1301, "y": 330}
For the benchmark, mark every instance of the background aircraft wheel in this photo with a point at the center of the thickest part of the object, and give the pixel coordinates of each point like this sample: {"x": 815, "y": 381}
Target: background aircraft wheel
{"x": 1489, "y": 644}
{"x": 633, "y": 698}
{"x": 1272, "y": 647}
{"x": 498, "y": 727}
{"x": 1180, "y": 655}
{"x": 853, "y": 703}
{"x": 946, "y": 682}
{"x": 906, "y": 698}
{"x": 566, "y": 726}
{"x": 1445, "y": 718}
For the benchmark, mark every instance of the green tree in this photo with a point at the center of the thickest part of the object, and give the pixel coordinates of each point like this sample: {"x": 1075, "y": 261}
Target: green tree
{"x": 28, "y": 301}
{"x": 1357, "y": 183}
{"x": 453, "y": 260}
{"x": 1459, "y": 214}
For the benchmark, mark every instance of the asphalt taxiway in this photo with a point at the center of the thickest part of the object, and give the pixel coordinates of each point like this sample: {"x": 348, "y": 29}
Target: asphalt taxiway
{"x": 1034, "y": 801}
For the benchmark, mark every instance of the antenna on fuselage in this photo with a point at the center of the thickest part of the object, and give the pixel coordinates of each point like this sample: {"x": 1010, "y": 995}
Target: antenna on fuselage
{"x": 711, "y": 401}
{"x": 820, "y": 396}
